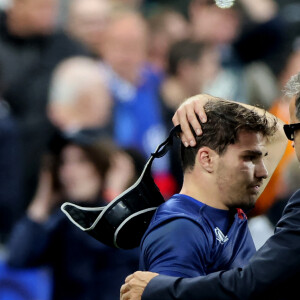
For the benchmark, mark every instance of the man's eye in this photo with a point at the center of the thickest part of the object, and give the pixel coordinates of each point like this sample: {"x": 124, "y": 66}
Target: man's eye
{"x": 249, "y": 157}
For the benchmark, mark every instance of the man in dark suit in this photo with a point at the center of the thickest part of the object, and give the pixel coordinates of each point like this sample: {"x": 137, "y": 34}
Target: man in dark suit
{"x": 273, "y": 272}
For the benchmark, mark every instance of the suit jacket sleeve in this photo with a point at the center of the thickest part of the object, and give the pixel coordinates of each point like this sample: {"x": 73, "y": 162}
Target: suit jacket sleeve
{"x": 270, "y": 272}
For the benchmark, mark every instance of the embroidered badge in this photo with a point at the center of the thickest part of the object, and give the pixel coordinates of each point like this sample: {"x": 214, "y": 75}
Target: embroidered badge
{"x": 220, "y": 236}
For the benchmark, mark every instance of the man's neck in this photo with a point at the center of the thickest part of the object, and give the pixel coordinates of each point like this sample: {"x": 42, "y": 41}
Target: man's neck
{"x": 203, "y": 189}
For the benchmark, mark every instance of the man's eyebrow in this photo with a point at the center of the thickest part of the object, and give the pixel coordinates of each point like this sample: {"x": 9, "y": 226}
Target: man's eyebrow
{"x": 255, "y": 153}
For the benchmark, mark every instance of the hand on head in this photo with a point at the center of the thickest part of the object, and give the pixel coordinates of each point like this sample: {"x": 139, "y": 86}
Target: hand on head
{"x": 186, "y": 116}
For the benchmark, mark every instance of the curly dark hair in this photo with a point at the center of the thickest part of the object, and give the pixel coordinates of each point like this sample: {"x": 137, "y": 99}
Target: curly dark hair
{"x": 224, "y": 122}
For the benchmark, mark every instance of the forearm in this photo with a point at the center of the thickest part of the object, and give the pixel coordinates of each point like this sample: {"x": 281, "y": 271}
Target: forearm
{"x": 257, "y": 281}
{"x": 168, "y": 288}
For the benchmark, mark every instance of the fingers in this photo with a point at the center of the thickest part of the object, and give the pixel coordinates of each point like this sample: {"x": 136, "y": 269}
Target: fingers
{"x": 129, "y": 277}
{"x": 124, "y": 289}
{"x": 135, "y": 284}
{"x": 127, "y": 292}
{"x": 199, "y": 110}
{"x": 180, "y": 118}
{"x": 125, "y": 296}
{"x": 186, "y": 116}
{"x": 129, "y": 296}
{"x": 191, "y": 114}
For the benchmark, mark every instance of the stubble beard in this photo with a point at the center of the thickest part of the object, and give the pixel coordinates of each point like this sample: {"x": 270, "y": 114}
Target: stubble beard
{"x": 234, "y": 195}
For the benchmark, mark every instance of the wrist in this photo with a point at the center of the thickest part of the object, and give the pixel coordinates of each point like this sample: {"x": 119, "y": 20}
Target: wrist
{"x": 38, "y": 214}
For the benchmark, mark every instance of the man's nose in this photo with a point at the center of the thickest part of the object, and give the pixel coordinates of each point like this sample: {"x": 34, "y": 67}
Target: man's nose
{"x": 261, "y": 171}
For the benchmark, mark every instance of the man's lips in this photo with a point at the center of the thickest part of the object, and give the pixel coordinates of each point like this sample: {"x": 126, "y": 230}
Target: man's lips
{"x": 255, "y": 187}
{"x": 255, "y": 184}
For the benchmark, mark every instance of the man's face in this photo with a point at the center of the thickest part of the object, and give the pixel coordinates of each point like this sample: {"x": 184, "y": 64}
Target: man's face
{"x": 125, "y": 47}
{"x": 214, "y": 25}
{"x": 88, "y": 20}
{"x": 294, "y": 119}
{"x": 241, "y": 170}
{"x": 36, "y": 17}
{"x": 78, "y": 175}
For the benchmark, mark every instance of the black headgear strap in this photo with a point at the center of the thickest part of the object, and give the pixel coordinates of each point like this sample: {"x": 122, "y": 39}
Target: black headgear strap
{"x": 123, "y": 221}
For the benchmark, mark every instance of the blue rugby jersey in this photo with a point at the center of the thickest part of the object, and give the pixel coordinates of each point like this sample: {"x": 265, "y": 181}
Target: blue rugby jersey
{"x": 187, "y": 238}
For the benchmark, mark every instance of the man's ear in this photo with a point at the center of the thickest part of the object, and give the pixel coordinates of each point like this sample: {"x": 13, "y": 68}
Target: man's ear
{"x": 206, "y": 158}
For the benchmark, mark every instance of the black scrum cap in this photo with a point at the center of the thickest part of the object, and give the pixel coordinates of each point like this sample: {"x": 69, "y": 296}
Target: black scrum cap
{"x": 123, "y": 222}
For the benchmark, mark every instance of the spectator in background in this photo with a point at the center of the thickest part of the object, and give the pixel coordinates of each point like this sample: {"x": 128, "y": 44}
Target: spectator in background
{"x": 251, "y": 30}
{"x": 212, "y": 24}
{"x": 10, "y": 170}
{"x": 264, "y": 35}
{"x": 30, "y": 48}
{"x": 135, "y": 84}
{"x": 83, "y": 268}
{"x": 80, "y": 104}
{"x": 86, "y": 22}
{"x": 132, "y": 4}
{"x": 79, "y": 98}
{"x": 128, "y": 32}
{"x": 191, "y": 65}
{"x": 248, "y": 80}
{"x": 166, "y": 27}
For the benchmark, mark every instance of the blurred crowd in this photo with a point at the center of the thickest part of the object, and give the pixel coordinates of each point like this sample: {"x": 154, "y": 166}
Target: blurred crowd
{"x": 87, "y": 92}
